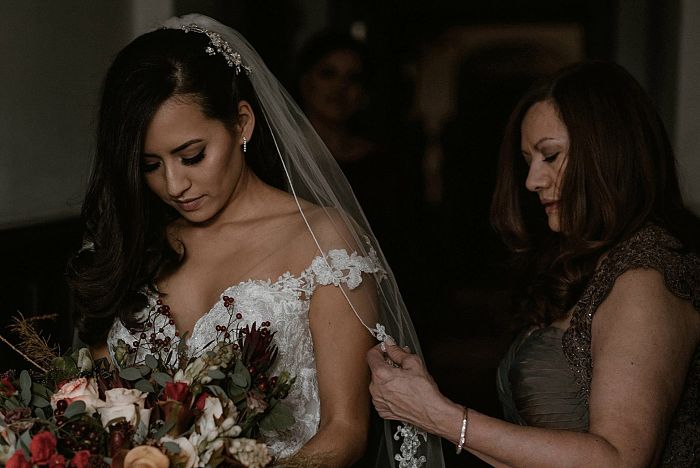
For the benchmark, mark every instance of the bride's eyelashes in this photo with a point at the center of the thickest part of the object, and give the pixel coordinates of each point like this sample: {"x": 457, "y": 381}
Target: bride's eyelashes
{"x": 194, "y": 159}
{"x": 152, "y": 166}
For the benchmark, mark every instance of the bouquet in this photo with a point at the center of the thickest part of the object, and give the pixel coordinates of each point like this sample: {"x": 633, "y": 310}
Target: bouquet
{"x": 164, "y": 409}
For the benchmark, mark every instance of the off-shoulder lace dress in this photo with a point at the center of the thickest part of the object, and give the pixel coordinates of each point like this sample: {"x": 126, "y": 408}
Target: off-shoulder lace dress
{"x": 545, "y": 379}
{"x": 284, "y": 302}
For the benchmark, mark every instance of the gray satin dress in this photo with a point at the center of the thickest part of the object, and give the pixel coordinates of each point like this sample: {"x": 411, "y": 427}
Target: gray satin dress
{"x": 545, "y": 378}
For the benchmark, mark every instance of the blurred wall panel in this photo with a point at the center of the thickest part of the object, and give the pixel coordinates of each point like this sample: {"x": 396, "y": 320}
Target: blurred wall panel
{"x": 54, "y": 56}
{"x": 687, "y": 135}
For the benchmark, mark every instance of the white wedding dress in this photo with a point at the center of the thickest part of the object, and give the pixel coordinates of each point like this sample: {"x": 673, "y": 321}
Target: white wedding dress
{"x": 285, "y": 303}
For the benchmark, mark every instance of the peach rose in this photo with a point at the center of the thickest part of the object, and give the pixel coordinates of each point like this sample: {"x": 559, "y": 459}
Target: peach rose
{"x": 80, "y": 389}
{"x": 127, "y": 403}
{"x": 145, "y": 456}
{"x": 187, "y": 458}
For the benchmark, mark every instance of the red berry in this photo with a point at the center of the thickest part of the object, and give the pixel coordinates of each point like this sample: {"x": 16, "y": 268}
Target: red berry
{"x": 239, "y": 316}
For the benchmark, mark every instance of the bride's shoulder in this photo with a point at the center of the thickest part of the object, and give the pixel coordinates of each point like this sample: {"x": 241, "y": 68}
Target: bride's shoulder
{"x": 327, "y": 223}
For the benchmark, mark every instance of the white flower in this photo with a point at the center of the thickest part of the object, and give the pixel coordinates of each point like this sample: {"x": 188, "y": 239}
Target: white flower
{"x": 195, "y": 370}
{"x": 80, "y": 389}
{"x": 249, "y": 452}
{"x": 216, "y": 423}
{"x": 187, "y": 457}
{"x": 8, "y": 439}
{"x": 207, "y": 424}
{"x": 125, "y": 403}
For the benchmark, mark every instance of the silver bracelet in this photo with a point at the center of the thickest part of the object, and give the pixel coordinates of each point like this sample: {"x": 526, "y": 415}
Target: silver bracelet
{"x": 463, "y": 432}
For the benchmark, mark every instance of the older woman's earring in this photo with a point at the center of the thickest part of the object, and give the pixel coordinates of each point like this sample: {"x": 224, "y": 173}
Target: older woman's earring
{"x": 245, "y": 144}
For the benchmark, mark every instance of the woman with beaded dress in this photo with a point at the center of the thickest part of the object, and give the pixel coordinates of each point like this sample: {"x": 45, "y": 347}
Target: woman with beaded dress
{"x": 608, "y": 371}
{"x": 212, "y": 199}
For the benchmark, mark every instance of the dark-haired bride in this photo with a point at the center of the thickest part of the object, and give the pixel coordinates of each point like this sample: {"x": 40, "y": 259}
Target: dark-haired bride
{"x": 210, "y": 186}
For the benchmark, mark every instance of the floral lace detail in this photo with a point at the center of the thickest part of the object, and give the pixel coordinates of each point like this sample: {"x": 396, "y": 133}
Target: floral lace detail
{"x": 284, "y": 302}
{"x": 409, "y": 446}
{"x": 338, "y": 267}
{"x": 651, "y": 247}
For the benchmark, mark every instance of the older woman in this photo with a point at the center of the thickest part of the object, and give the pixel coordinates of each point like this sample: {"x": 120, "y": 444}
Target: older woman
{"x": 608, "y": 372}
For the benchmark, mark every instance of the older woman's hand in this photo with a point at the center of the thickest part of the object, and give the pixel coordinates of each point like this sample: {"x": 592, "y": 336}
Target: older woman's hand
{"x": 406, "y": 393}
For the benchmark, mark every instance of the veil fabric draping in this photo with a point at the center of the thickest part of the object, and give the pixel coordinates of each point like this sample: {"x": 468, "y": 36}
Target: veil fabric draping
{"x": 312, "y": 175}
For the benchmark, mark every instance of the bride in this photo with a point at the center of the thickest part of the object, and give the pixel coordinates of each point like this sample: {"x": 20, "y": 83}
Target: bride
{"x": 210, "y": 186}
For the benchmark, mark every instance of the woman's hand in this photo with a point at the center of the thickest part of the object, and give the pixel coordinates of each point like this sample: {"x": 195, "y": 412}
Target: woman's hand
{"x": 407, "y": 393}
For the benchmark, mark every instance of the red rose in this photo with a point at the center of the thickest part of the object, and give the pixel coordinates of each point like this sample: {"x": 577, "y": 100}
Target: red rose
{"x": 81, "y": 459}
{"x": 178, "y": 391}
{"x": 18, "y": 460}
{"x": 201, "y": 400}
{"x": 57, "y": 461}
{"x": 43, "y": 446}
{"x": 6, "y": 386}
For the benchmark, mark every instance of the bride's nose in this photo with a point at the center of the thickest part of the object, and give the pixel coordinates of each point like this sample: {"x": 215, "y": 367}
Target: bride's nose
{"x": 176, "y": 180}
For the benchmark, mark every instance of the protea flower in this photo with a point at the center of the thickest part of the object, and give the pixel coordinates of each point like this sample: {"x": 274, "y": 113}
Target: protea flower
{"x": 258, "y": 352}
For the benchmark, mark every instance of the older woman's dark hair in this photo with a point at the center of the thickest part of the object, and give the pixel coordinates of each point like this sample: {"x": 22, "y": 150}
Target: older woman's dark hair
{"x": 126, "y": 248}
{"x": 620, "y": 176}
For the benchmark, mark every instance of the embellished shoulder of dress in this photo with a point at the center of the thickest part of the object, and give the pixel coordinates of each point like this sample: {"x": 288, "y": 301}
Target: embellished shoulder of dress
{"x": 650, "y": 247}
{"x": 338, "y": 267}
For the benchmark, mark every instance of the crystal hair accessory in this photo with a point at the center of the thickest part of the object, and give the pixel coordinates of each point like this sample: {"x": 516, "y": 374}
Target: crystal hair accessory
{"x": 219, "y": 44}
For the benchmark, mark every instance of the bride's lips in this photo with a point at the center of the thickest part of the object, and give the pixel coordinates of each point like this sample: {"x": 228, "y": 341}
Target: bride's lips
{"x": 190, "y": 204}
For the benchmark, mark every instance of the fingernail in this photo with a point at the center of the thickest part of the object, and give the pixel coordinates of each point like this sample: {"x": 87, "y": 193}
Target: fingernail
{"x": 390, "y": 341}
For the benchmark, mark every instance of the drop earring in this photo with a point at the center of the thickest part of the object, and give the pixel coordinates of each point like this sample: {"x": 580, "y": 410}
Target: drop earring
{"x": 245, "y": 144}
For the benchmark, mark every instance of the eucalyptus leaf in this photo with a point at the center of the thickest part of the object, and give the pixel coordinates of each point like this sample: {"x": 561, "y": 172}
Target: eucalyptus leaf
{"x": 130, "y": 373}
{"x": 40, "y": 413}
{"x": 25, "y": 385}
{"x": 163, "y": 429}
{"x": 145, "y": 370}
{"x": 74, "y": 409}
{"x": 40, "y": 401}
{"x": 26, "y": 439}
{"x": 162, "y": 378}
{"x": 26, "y": 395}
{"x": 11, "y": 404}
{"x": 239, "y": 380}
{"x": 279, "y": 418}
{"x": 145, "y": 386}
{"x": 172, "y": 447}
{"x": 216, "y": 374}
{"x": 243, "y": 370}
{"x": 217, "y": 391}
{"x": 237, "y": 395}
{"x": 25, "y": 381}
{"x": 39, "y": 389}
{"x": 151, "y": 361}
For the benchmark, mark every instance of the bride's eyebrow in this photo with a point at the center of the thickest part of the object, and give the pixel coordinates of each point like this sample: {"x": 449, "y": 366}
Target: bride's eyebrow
{"x": 179, "y": 148}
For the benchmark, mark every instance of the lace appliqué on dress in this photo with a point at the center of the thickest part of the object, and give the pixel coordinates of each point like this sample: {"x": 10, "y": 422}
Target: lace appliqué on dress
{"x": 651, "y": 247}
{"x": 285, "y": 303}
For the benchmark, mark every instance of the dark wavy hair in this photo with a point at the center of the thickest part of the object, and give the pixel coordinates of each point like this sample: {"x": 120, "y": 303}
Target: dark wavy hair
{"x": 620, "y": 176}
{"x": 126, "y": 248}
